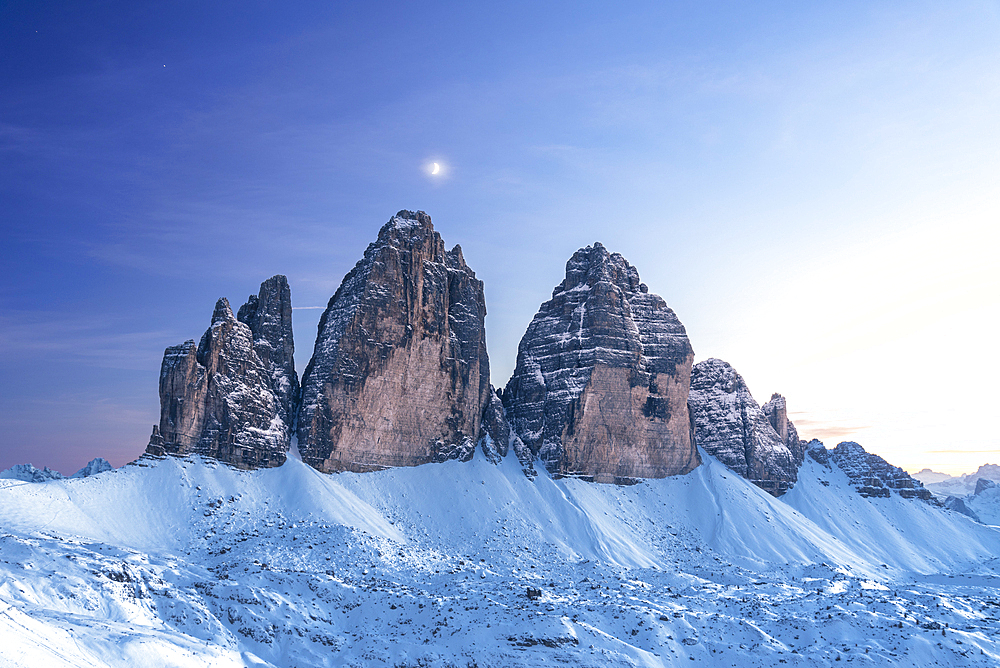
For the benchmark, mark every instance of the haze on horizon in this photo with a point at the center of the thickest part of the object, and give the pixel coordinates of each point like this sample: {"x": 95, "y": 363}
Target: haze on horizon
{"x": 812, "y": 189}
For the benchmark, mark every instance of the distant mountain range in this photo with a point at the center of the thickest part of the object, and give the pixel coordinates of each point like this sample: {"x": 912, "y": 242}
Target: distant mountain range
{"x": 28, "y": 473}
{"x": 943, "y": 484}
{"x": 973, "y": 494}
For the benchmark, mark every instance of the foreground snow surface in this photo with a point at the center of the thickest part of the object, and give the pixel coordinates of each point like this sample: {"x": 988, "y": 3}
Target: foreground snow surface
{"x": 191, "y": 563}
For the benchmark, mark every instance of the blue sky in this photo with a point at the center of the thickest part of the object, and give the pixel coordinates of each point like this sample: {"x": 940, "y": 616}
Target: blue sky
{"x": 811, "y": 186}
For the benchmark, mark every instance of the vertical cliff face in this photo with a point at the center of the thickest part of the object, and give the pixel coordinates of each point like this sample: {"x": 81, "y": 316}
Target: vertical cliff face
{"x": 497, "y": 438}
{"x": 730, "y": 426}
{"x": 400, "y": 374}
{"x": 230, "y": 396}
{"x": 601, "y": 382}
{"x": 268, "y": 314}
{"x": 776, "y": 411}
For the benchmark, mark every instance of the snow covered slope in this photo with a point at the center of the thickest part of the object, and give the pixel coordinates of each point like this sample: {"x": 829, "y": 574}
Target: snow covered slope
{"x": 189, "y": 562}
{"x": 904, "y": 534}
{"x": 986, "y": 505}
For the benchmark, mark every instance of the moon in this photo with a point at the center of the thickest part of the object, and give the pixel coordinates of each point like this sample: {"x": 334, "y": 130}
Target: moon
{"x": 436, "y": 169}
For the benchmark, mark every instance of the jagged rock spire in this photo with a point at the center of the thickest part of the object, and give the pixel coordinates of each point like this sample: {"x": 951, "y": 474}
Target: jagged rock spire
{"x": 730, "y": 425}
{"x": 221, "y": 398}
{"x": 399, "y": 375}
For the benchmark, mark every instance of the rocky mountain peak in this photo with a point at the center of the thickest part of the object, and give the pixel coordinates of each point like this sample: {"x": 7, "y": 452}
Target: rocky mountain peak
{"x": 872, "y": 476}
{"x": 594, "y": 264}
{"x": 222, "y": 312}
{"x": 991, "y": 471}
{"x": 231, "y": 396}
{"x": 410, "y": 230}
{"x": 730, "y": 425}
{"x": 268, "y": 314}
{"x": 399, "y": 374}
{"x": 776, "y": 410}
{"x": 93, "y": 467}
{"x": 600, "y": 386}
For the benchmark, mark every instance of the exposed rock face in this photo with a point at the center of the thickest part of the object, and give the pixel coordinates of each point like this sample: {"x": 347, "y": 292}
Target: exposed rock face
{"x": 776, "y": 411}
{"x": 818, "y": 452}
{"x": 984, "y": 484}
{"x": 959, "y": 506}
{"x": 400, "y": 374}
{"x": 730, "y": 426}
{"x": 221, "y": 398}
{"x": 268, "y": 314}
{"x": 497, "y": 438}
{"x": 873, "y": 476}
{"x": 601, "y": 382}
{"x": 495, "y": 430}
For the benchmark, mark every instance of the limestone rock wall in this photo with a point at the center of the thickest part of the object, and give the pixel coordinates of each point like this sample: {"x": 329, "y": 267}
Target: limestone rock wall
{"x": 497, "y": 438}
{"x": 873, "y": 476}
{"x": 601, "y": 382}
{"x": 268, "y": 314}
{"x": 776, "y": 411}
{"x": 870, "y": 475}
{"x": 221, "y": 398}
{"x": 730, "y": 425}
{"x": 400, "y": 374}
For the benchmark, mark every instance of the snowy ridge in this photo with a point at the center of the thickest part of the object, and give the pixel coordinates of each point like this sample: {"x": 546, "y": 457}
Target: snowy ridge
{"x": 190, "y": 562}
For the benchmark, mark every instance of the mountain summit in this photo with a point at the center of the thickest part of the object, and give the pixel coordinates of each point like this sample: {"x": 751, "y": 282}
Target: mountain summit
{"x": 400, "y": 374}
{"x": 601, "y": 383}
{"x": 231, "y": 396}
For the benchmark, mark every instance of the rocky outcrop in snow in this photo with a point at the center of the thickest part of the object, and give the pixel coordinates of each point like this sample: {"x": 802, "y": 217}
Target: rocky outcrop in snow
{"x": 231, "y": 396}
{"x": 601, "y": 382}
{"x": 870, "y": 475}
{"x": 93, "y": 467}
{"x": 730, "y": 425}
{"x": 497, "y": 438}
{"x": 983, "y": 484}
{"x": 400, "y": 373}
{"x": 959, "y": 506}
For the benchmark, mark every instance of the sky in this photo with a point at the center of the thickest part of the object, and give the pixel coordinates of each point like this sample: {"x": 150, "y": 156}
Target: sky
{"x": 812, "y": 187}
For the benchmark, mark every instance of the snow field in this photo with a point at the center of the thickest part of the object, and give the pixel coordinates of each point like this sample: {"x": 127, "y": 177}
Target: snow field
{"x": 189, "y": 562}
